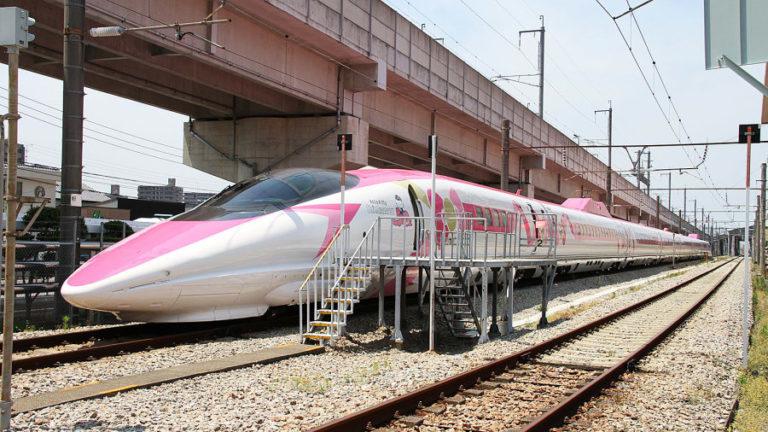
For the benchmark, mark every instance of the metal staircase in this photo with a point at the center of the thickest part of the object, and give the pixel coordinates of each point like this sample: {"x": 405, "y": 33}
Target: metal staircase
{"x": 333, "y": 287}
{"x": 465, "y": 246}
{"x": 455, "y": 301}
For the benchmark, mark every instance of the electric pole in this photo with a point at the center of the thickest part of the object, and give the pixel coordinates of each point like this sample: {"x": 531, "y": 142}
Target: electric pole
{"x": 609, "y": 172}
{"x": 71, "y": 145}
{"x": 669, "y": 191}
{"x": 648, "y": 174}
{"x": 762, "y": 218}
{"x": 541, "y": 62}
{"x": 695, "y": 221}
{"x": 504, "y": 184}
{"x": 685, "y": 204}
{"x": 15, "y": 23}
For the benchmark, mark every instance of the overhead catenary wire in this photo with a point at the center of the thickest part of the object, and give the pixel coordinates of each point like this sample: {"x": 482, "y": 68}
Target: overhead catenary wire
{"x": 112, "y": 128}
{"x": 134, "y": 180}
{"x": 105, "y": 134}
{"x": 460, "y": 45}
{"x": 27, "y": 115}
{"x": 550, "y": 58}
{"x": 653, "y": 92}
{"x": 34, "y": 149}
{"x": 527, "y": 59}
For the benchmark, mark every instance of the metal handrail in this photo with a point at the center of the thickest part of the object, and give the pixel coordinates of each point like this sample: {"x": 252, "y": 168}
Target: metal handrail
{"x": 467, "y": 241}
{"x": 321, "y": 256}
{"x": 319, "y": 267}
{"x": 459, "y": 239}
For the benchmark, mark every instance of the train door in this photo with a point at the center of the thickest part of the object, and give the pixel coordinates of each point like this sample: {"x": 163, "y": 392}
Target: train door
{"x": 419, "y": 224}
{"x": 629, "y": 242}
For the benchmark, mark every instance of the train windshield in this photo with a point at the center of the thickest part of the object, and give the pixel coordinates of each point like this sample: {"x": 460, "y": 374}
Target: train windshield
{"x": 268, "y": 193}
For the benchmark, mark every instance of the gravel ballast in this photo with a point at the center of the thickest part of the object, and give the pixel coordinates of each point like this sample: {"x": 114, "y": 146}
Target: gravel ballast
{"x": 685, "y": 384}
{"x": 295, "y": 394}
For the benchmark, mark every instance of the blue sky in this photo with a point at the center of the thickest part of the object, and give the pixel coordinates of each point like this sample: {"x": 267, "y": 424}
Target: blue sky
{"x": 587, "y": 64}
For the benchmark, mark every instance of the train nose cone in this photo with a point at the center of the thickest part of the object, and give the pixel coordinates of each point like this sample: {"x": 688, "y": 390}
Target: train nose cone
{"x": 87, "y": 296}
{"x": 124, "y": 276}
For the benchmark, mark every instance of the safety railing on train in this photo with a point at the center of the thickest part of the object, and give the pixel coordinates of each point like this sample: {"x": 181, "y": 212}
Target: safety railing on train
{"x": 341, "y": 274}
{"x": 465, "y": 238}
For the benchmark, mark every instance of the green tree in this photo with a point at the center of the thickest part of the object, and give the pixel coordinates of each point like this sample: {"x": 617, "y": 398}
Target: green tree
{"x": 113, "y": 231}
{"x": 46, "y": 226}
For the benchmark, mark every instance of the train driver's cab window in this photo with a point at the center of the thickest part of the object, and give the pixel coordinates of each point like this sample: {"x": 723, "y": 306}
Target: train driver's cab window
{"x": 269, "y": 193}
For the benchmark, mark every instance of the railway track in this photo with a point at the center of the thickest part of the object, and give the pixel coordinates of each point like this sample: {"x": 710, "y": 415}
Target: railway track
{"x": 87, "y": 345}
{"x": 105, "y": 342}
{"x": 537, "y": 388}
{"x": 52, "y": 350}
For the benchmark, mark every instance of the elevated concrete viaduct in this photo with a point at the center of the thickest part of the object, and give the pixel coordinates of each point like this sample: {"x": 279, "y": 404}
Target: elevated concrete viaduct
{"x": 285, "y": 76}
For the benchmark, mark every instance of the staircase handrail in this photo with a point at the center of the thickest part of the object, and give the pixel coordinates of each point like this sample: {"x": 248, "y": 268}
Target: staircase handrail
{"x": 320, "y": 257}
{"x": 354, "y": 253}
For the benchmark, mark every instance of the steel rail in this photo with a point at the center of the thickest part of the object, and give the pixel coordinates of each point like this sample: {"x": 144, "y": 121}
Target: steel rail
{"x": 143, "y": 343}
{"x": 557, "y": 415}
{"x": 386, "y": 411}
{"x": 149, "y": 335}
{"x": 47, "y": 341}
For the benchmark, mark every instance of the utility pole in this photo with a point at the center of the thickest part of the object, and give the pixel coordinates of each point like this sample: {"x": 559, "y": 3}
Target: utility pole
{"x": 695, "y": 220}
{"x": 71, "y": 145}
{"x": 10, "y": 235}
{"x": 15, "y": 23}
{"x": 680, "y": 221}
{"x": 658, "y": 206}
{"x": 746, "y": 295}
{"x": 432, "y": 237}
{"x": 541, "y": 62}
{"x": 609, "y": 172}
{"x": 685, "y": 204}
{"x": 504, "y": 184}
{"x": 648, "y": 173}
{"x": 762, "y": 218}
{"x": 669, "y": 190}
{"x": 756, "y": 233}
{"x": 2, "y": 159}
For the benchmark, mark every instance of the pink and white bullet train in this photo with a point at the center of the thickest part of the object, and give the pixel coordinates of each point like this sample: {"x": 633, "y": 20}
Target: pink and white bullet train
{"x": 250, "y": 247}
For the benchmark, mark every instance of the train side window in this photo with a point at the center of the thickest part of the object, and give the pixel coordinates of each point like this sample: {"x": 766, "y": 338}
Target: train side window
{"x": 487, "y": 216}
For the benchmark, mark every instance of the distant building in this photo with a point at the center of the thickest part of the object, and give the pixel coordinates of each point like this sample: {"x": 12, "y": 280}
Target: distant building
{"x": 136, "y": 208}
{"x": 167, "y": 193}
{"x": 193, "y": 199}
{"x": 37, "y": 181}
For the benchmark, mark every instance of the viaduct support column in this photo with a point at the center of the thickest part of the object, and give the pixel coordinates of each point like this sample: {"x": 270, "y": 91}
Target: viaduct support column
{"x": 71, "y": 144}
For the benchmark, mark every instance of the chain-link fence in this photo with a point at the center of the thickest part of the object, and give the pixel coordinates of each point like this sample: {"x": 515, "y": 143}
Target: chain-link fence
{"x": 37, "y": 264}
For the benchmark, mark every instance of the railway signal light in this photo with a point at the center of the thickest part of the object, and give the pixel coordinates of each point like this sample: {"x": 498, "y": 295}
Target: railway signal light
{"x": 344, "y": 141}
{"x": 14, "y": 27}
{"x": 754, "y": 132}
